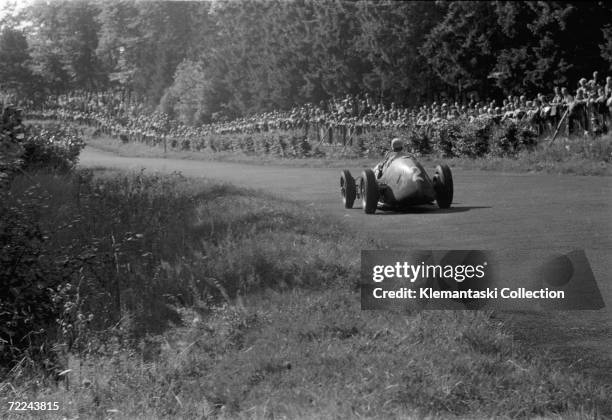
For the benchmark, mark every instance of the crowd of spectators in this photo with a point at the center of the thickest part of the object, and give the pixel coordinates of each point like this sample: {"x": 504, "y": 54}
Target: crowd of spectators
{"x": 585, "y": 110}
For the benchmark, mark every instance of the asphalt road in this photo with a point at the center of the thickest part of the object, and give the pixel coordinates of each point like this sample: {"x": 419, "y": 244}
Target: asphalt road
{"x": 523, "y": 218}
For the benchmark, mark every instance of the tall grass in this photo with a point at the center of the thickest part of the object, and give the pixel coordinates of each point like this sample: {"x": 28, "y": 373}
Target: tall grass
{"x": 573, "y": 155}
{"x": 315, "y": 354}
{"x": 128, "y": 249}
{"x": 189, "y": 300}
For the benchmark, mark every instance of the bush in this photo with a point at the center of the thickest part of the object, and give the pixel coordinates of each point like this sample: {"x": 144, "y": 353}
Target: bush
{"x": 52, "y": 147}
{"x": 444, "y": 137}
{"x": 79, "y": 253}
{"x": 473, "y": 139}
{"x": 32, "y": 275}
{"x": 528, "y": 138}
{"x": 509, "y": 138}
{"x": 87, "y": 260}
{"x": 374, "y": 143}
{"x": 35, "y": 277}
{"x": 11, "y": 149}
{"x": 419, "y": 141}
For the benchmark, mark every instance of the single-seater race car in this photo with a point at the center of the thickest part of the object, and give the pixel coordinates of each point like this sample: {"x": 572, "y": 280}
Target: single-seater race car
{"x": 397, "y": 183}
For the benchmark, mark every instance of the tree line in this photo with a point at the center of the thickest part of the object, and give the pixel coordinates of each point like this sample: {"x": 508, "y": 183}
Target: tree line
{"x": 209, "y": 60}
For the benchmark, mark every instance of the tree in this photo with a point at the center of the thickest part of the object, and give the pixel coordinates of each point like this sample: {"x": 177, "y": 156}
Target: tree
{"x": 142, "y": 43}
{"x": 606, "y": 46}
{"x": 119, "y": 30}
{"x": 519, "y": 47}
{"x": 257, "y": 55}
{"x": 193, "y": 97}
{"x": 462, "y": 48}
{"x": 548, "y": 44}
{"x": 15, "y": 73}
{"x": 64, "y": 39}
{"x": 390, "y": 36}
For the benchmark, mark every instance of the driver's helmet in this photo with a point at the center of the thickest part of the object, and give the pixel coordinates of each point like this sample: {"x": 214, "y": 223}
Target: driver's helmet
{"x": 397, "y": 145}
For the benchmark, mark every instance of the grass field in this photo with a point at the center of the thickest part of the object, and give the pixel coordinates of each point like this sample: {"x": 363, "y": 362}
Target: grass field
{"x": 207, "y": 300}
{"x": 578, "y": 156}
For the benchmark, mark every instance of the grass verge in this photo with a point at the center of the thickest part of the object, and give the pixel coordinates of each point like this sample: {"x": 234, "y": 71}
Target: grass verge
{"x": 213, "y": 301}
{"x": 575, "y": 156}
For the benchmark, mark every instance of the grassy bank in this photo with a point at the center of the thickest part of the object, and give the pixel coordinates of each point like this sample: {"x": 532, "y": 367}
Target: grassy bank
{"x": 576, "y": 156}
{"x": 197, "y": 299}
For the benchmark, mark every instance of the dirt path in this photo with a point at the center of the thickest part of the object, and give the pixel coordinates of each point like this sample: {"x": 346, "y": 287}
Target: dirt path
{"x": 524, "y": 218}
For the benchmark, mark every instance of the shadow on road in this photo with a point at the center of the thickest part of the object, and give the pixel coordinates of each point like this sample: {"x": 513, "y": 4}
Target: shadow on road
{"x": 430, "y": 209}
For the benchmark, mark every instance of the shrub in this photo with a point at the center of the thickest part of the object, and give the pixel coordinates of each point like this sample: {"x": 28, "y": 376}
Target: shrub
{"x": 53, "y": 147}
{"x": 11, "y": 149}
{"x": 527, "y": 137}
{"x": 473, "y": 138}
{"x": 374, "y": 143}
{"x": 509, "y": 138}
{"x": 504, "y": 139}
{"x": 31, "y": 277}
{"x": 419, "y": 141}
{"x": 72, "y": 247}
{"x": 86, "y": 260}
{"x": 444, "y": 136}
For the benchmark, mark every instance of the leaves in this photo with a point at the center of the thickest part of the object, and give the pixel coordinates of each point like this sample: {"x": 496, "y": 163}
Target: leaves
{"x": 209, "y": 60}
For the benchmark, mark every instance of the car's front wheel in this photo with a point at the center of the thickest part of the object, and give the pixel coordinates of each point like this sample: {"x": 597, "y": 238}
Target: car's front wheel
{"x": 369, "y": 191}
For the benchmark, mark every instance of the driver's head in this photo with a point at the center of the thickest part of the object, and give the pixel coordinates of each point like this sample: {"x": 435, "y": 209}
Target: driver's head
{"x": 397, "y": 145}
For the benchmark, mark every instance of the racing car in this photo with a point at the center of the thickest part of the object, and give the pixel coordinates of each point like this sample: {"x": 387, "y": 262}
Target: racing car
{"x": 396, "y": 184}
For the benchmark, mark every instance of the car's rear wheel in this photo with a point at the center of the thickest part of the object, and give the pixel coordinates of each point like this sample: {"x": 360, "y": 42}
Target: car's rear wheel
{"x": 348, "y": 190}
{"x": 369, "y": 191}
{"x": 443, "y": 185}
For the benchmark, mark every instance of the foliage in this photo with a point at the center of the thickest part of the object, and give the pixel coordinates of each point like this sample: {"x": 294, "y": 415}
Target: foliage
{"x": 113, "y": 257}
{"x": 606, "y": 47}
{"x": 139, "y": 247}
{"x": 15, "y": 72}
{"x": 11, "y": 148}
{"x": 53, "y": 147}
{"x": 518, "y": 47}
{"x": 418, "y": 141}
{"x": 35, "y": 278}
{"x": 463, "y": 61}
{"x": 473, "y": 138}
{"x": 389, "y": 37}
{"x": 509, "y": 138}
{"x": 69, "y": 251}
{"x": 261, "y": 55}
{"x": 452, "y": 138}
{"x": 64, "y": 39}
{"x": 143, "y": 43}
{"x": 192, "y": 98}
{"x": 29, "y": 277}
{"x": 299, "y": 353}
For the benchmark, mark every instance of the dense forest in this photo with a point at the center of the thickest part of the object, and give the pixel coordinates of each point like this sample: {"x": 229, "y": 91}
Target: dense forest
{"x": 210, "y": 59}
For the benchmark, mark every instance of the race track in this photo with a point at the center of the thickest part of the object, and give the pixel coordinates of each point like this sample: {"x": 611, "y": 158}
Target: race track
{"x": 517, "y": 215}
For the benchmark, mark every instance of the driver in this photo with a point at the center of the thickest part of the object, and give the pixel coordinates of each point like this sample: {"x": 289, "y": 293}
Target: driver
{"x": 397, "y": 148}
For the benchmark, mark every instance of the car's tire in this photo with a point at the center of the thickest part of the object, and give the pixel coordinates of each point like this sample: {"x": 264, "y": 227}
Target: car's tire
{"x": 443, "y": 185}
{"x": 369, "y": 191}
{"x": 348, "y": 190}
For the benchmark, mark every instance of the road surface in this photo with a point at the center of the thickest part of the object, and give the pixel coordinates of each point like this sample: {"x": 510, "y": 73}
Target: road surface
{"x": 519, "y": 216}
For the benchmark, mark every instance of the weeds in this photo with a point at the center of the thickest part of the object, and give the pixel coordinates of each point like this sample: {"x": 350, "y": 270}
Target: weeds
{"x": 261, "y": 297}
{"x": 315, "y": 354}
{"x": 119, "y": 253}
